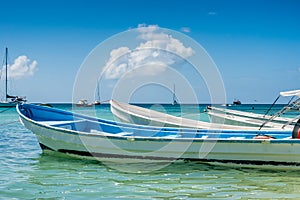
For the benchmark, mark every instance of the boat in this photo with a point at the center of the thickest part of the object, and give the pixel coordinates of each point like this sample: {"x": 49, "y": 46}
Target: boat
{"x": 246, "y": 114}
{"x": 134, "y": 114}
{"x": 77, "y": 134}
{"x": 237, "y": 102}
{"x": 253, "y": 119}
{"x": 83, "y": 103}
{"x": 240, "y": 116}
{"x": 245, "y": 121}
{"x": 10, "y": 101}
{"x": 97, "y": 101}
{"x": 174, "y": 102}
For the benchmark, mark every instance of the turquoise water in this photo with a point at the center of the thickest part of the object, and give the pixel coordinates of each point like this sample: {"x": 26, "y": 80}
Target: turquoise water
{"x": 28, "y": 173}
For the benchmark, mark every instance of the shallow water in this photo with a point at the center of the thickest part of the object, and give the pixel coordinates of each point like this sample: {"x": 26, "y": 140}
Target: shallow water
{"x": 28, "y": 173}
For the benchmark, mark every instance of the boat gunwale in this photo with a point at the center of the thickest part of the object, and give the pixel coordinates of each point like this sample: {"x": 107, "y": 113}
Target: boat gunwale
{"x": 250, "y": 114}
{"x": 250, "y": 121}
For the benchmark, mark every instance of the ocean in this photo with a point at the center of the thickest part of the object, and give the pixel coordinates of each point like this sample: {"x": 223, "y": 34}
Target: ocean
{"x": 28, "y": 173}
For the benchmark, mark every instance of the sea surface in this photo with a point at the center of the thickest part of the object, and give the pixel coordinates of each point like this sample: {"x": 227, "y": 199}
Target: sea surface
{"x": 28, "y": 173}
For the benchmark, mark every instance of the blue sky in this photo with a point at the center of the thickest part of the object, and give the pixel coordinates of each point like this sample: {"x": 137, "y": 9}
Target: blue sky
{"x": 255, "y": 44}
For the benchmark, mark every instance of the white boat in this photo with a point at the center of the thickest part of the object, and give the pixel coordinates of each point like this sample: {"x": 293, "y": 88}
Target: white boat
{"x": 10, "y": 101}
{"x": 251, "y": 115}
{"x": 245, "y": 121}
{"x": 138, "y": 115}
{"x": 237, "y": 117}
{"x": 83, "y": 103}
{"x": 77, "y": 134}
{"x": 97, "y": 101}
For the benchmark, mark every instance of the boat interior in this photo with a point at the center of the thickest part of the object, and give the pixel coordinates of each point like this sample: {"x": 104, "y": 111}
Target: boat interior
{"x": 77, "y": 123}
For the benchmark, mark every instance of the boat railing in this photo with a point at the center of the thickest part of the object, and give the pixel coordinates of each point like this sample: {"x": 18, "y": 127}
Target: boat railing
{"x": 294, "y": 104}
{"x": 291, "y": 121}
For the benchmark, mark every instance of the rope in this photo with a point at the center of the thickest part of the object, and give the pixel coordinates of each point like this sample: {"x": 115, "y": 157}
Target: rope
{"x": 272, "y": 106}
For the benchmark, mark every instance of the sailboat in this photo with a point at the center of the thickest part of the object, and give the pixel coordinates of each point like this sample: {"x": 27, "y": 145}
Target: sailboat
{"x": 10, "y": 101}
{"x": 97, "y": 101}
{"x": 174, "y": 96}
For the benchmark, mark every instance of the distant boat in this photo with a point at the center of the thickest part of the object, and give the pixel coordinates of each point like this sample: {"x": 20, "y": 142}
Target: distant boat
{"x": 97, "y": 102}
{"x": 10, "y": 101}
{"x": 237, "y": 102}
{"x": 175, "y": 102}
{"x": 83, "y": 103}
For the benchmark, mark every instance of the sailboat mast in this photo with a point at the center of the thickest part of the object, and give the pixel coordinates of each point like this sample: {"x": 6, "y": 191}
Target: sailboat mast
{"x": 174, "y": 94}
{"x": 98, "y": 92}
{"x": 6, "y": 52}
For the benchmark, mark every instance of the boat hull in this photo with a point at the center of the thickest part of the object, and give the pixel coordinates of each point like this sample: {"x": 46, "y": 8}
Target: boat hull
{"x": 244, "y": 121}
{"x": 249, "y": 115}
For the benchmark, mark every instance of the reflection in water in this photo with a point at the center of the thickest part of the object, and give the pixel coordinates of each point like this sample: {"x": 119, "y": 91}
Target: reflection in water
{"x": 59, "y": 175}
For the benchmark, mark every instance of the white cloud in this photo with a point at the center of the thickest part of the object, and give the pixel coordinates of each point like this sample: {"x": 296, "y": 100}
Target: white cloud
{"x": 143, "y": 28}
{"x": 157, "y": 51}
{"x": 185, "y": 29}
{"x": 21, "y": 67}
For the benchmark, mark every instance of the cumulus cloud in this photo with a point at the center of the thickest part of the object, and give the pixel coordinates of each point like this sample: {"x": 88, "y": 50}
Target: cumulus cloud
{"x": 156, "y": 51}
{"x": 21, "y": 67}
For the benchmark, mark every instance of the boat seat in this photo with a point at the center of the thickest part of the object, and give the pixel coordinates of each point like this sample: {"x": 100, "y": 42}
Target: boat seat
{"x": 231, "y": 138}
{"x": 53, "y": 123}
{"x": 171, "y": 136}
{"x": 113, "y": 134}
{"x": 236, "y": 138}
{"x": 123, "y": 134}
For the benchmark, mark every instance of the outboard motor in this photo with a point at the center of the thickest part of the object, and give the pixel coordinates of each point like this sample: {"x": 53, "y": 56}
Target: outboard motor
{"x": 296, "y": 130}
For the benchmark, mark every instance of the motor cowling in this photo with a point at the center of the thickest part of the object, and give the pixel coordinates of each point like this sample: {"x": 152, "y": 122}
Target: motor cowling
{"x": 296, "y": 130}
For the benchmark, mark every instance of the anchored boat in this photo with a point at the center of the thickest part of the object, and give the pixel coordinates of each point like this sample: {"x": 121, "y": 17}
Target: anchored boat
{"x": 10, "y": 101}
{"x": 78, "y": 134}
{"x": 134, "y": 114}
{"x": 237, "y": 117}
